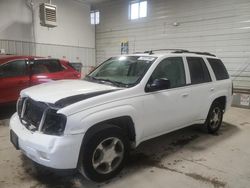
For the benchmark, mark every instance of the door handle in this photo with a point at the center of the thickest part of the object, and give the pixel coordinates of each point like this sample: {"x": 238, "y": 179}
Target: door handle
{"x": 184, "y": 94}
{"x": 212, "y": 89}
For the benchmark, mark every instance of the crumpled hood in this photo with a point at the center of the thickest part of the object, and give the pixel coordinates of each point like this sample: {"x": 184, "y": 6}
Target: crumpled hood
{"x": 57, "y": 90}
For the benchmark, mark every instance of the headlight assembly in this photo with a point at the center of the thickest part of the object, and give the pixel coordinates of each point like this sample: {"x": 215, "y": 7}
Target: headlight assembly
{"x": 54, "y": 123}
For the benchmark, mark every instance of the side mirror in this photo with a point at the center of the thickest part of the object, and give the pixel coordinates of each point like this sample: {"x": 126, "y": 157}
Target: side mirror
{"x": 158, "y": 84}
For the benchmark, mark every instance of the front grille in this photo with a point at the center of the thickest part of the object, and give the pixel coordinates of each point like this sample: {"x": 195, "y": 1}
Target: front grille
{"x": 31, "y": 112}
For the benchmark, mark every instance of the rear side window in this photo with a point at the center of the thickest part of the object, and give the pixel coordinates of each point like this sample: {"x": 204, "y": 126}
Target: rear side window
{"x": 46, "y": 66}
{"x": 219, "y": 69}
{"x": 198, "y": 70}
{"x": 13, "y": 69}
{"x": 171, "y": 68}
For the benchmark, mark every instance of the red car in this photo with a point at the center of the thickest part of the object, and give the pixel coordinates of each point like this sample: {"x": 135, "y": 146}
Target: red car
{"x": 19, "y": 72}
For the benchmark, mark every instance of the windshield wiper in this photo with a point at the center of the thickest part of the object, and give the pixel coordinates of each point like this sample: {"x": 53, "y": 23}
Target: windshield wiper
{"x": 102, "y": 80}
{"x": 116, "y": 83}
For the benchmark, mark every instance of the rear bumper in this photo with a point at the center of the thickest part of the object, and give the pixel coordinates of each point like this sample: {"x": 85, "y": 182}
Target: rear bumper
{"x": 59, "y": 152}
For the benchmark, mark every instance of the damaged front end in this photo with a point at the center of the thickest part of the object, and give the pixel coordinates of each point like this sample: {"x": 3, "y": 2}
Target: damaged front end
{"x": 40, "y": 116}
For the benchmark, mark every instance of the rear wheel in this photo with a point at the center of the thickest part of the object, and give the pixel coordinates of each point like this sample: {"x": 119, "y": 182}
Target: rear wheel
{"x": 214, "y": 118}
{"x": 104, "y": 154}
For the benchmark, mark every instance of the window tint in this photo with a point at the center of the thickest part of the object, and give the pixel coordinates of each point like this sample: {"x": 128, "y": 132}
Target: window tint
{"x": 46, "y": 66}
{"x": 219, "y": 69}
{"x": 198, "y": 70}
{"x": 171, "y": 68}
{"x": 13, "y": 69}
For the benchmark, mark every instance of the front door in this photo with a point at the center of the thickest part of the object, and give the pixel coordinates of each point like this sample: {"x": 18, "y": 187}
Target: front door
{"x": 168, "y": 109}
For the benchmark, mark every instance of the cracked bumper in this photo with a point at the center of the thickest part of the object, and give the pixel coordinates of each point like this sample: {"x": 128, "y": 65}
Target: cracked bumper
{"x": 59, "y": 152}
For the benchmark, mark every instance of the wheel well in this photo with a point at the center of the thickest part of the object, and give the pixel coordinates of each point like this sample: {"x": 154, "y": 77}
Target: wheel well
{"x": 221, "y": 100}
{"x": 124, "y": 122}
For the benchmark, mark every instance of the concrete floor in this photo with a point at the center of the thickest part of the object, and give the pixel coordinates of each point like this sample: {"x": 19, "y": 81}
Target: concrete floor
{"x": 184, "y": 158}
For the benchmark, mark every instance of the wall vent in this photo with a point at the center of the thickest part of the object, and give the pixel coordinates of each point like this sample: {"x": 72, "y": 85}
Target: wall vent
{"x": 48, "y": 15}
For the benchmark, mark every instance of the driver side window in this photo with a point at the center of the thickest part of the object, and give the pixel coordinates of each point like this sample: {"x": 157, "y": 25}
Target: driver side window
{"x": 171, "y": 68}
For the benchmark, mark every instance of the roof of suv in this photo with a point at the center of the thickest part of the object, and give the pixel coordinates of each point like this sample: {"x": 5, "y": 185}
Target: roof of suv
{"x": 164, "y": 52}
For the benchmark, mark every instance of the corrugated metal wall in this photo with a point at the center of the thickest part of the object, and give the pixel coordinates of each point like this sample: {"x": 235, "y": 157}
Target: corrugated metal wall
{"x": 72, "y": 53}
{"x": 217, "y": 26}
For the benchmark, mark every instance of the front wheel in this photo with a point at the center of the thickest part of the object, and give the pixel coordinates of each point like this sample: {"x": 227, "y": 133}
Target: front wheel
{"x": 214, "y": 118}
{"x": 104, "y": 154}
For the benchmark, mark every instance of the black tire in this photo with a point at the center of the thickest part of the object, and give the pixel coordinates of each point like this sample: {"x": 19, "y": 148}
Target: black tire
{"x": 90, "y": 147}
{"x": 213, "y": 124}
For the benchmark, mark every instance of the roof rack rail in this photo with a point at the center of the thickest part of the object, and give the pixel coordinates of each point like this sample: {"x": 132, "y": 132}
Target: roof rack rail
{"x": 180, "y": 51}
{"x": 139, "y": 52}
{"x": 199, "y": 53}
{"x": 175, "y": 50}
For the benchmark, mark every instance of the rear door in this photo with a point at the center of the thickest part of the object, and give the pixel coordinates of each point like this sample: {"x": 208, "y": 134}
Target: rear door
{"x": 13, "y": 78}
{"x": 45, "y": 70}
{"x": 201, "y": 87}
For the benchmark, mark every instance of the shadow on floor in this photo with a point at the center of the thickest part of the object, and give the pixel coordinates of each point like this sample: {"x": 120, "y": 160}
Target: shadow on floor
{"x": 6, "y": 111}
{"x": 149, "y": 154}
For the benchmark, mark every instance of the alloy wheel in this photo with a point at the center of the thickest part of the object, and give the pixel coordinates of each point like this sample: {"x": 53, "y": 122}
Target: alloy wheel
{"x": 108, "y": 155}
{"x": 215, "y": 118}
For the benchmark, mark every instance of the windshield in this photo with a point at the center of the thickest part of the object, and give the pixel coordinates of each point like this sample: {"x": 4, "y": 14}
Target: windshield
{"x": 124, "y": 71}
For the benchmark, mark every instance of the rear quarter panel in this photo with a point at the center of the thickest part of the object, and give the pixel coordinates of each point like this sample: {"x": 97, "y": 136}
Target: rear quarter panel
{"x": 221, "y": 88}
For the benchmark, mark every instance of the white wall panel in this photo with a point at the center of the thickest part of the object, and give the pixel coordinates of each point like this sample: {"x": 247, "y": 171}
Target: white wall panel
{"x": 73, "y": 18}
{"x": 217, "y": 26}
{"x": 72, "y": 53}
{"x": 73, "y": 38}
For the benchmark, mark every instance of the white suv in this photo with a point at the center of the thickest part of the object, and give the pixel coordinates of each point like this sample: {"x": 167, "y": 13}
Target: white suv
{"x": 91, "y": 124}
